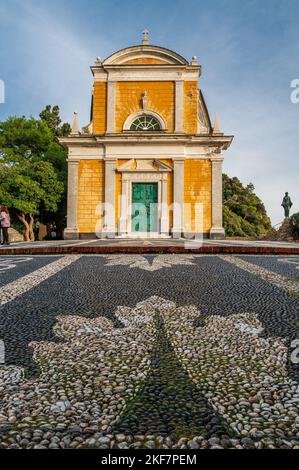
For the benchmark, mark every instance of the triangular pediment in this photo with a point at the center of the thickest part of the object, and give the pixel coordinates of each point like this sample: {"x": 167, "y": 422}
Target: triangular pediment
{"x": 145, "y": 55}
{"x": 128, "y": 165}
{"x": 162, "y": 166}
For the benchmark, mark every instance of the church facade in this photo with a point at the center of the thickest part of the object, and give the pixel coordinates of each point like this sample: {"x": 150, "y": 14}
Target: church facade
{"x": 149, "y": 164}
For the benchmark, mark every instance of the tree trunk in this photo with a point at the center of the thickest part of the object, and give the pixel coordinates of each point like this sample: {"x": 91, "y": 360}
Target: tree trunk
{"x": 26, "y": 227}
{"x": 31, "y": 231}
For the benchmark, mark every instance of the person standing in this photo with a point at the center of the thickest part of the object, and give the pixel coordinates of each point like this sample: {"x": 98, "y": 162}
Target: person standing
{"x": 5, "y": 224}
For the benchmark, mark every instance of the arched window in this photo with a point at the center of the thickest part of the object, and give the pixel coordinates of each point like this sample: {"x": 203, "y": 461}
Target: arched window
{"x": 145, "y": 123}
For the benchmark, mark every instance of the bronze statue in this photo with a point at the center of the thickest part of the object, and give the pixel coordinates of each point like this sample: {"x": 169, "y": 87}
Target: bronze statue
{"x": 287, "y": 204}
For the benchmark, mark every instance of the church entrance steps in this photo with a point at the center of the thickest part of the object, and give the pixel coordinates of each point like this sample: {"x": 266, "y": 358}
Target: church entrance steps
{"x": 151, "y": 246}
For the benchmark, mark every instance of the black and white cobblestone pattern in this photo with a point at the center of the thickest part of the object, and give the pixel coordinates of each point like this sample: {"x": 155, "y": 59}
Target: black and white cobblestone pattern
{"x": 287, "y": 266}
{"x": 286, "y": 283}
{"x": 16, "y": 267}
{"x": 205, "y": 363}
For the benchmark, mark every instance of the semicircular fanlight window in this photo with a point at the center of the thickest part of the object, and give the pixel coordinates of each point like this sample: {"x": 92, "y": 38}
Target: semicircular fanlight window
{"x": 145, "y": 123}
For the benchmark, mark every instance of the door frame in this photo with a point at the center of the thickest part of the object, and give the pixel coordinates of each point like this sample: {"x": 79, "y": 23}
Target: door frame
{"x": 125, "y": 220}
{"x": 145, "y": 234}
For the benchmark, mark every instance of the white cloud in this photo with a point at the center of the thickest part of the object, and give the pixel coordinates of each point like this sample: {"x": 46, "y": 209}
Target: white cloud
{"x": 53, "y": 61}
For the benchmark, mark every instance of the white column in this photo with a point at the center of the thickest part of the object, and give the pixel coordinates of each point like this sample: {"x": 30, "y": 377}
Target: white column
{"x": 110, "y": 107}
{"x": 178, "y": 198}
{"x": 164, "y": 206}
{"x": 109, "y": 220}
{"x": 123, "y": 221}
{"x": 217, "y": 230}
{"x": 179, "y": 106}
{"x": 72, "y": 232}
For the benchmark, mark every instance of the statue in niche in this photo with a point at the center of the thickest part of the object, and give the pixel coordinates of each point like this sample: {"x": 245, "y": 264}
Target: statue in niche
{"x": 144, "y": 101}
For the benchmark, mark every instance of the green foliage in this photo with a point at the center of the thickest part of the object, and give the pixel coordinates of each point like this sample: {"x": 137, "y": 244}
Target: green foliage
{"x": 33, "y": 166}
{"x": 294, "y": 221}
{"x": 57, "y": 156}
{"x": 22, "y": 138}
{"x": 244, "y": 213}
{"x": 30, "y": 186}
{"x": 51, "y": 116}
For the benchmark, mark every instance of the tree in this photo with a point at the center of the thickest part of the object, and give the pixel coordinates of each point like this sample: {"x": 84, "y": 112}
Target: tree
{"x": 29, "y": 183}
{"x": 51, "y": 116}
{"x": 243, "y": 211}
{"x": 57, "y": 156}
{"x": 294, "y": 223}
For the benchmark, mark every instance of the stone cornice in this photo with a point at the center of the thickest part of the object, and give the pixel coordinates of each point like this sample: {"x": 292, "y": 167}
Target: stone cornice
{"x": 220, "y": 141}
{"x": 169, "y": 138}
{"x": 80, "y": 140}
{"x": 191, "y": 68}
{"x": 117, "y": 73}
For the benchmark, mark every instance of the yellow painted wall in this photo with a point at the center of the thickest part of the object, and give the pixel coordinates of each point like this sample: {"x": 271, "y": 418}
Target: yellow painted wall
{"x": 99, "y": 107}
{"x": 161, "y": 99}
{"x": 118, "y": 184}
{"x": 91, "y": 176}
{"x": 198, "y": 189}
{"x": 190, "y": 107}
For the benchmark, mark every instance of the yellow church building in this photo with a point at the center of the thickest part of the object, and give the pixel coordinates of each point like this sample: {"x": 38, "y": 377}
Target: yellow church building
{"x": 149, "y": 164}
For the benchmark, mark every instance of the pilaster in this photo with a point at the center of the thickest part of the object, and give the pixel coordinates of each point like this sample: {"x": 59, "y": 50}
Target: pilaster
{"x": 164, "y": 228}
{"x": 178, "y": 198}
{"x": 111, "y": 87}
{"x": 109, "y": 218}
{"x": 217, "y": 230}
{"x": 124, "y": 213}
{"x": 72, "y": 232}
{"x": 179, "y": 106}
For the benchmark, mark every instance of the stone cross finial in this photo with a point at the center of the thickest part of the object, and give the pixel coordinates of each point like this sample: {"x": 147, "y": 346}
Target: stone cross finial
{"x": 145, "y": 40}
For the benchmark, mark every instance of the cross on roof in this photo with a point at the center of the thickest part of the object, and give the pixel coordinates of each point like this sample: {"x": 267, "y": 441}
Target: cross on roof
{"x": 145, "y": 39}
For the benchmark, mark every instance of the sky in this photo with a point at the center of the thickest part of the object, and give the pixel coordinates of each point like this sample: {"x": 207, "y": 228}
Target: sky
{"x": 248, "y": 51}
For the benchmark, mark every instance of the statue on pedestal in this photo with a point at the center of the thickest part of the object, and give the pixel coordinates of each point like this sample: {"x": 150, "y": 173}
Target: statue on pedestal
{"x": 287, "y": 204}
{"x": 144, "y": 101}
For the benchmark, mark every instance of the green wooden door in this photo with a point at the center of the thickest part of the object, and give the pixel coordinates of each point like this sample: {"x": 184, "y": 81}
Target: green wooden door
{"x": 145, "y": 207}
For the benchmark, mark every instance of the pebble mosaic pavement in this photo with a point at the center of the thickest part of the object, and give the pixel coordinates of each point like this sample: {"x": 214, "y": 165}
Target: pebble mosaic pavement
{"x": 153, "y": 351}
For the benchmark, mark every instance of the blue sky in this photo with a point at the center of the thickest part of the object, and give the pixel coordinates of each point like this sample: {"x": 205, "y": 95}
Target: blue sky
{"x": 248, "y": 50}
